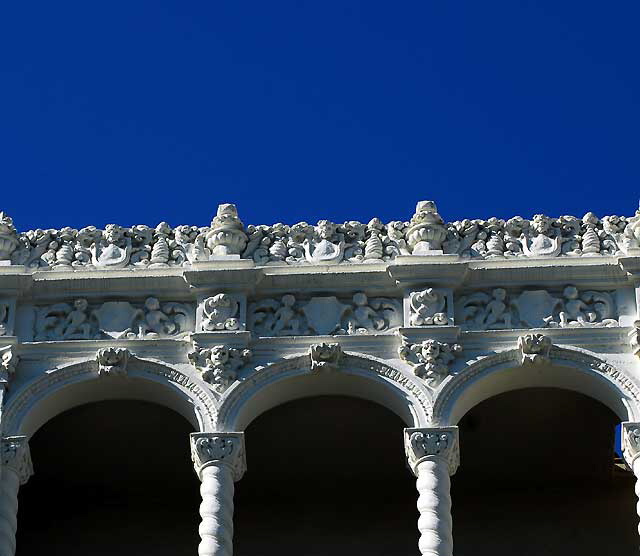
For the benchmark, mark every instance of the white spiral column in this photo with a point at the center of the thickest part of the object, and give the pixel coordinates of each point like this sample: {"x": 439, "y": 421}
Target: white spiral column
{"x": 16, "y": 470}
{"x": 630, "y": 439}
{"x": 219, "y": 460}
{"x": 433, "y": 455}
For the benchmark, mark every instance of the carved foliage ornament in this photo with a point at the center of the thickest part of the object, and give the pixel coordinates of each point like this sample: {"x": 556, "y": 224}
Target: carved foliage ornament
{"x": 219, "y": 449}
{"x": 325, "y": 357}
{"x": 219, "y": 364}
{"x": 630, "y": 442}
{"x": 16, "y": 456}
{"x": 428, "y": 307}
{"x": 113, "y": 361}
{"x": 325, "y": 315}
{"x": 424, "y": 444}
{"x": 430, "y": 359}
{"x": 220, "y": 312}
{"x": 8, "y": 363}
{"x": 534, "y": 349}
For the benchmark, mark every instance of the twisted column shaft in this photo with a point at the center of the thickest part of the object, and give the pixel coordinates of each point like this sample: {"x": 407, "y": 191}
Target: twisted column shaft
{"x": 433, "y": 456}
{"x": 216, "y": 511}
{"x": 16, "y": 470}
{"x": 219, "y": 460}
{"x": 636, "y": 472}
{"x": 434, "y": 504}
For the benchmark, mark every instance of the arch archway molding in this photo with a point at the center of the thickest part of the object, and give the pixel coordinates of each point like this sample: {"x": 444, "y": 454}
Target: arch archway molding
{"x": 568, "y": 368}
{"x": 79, "y": 383}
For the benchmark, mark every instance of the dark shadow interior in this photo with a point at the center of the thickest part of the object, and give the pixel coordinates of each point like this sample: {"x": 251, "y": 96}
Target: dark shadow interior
{"x": 326, "y": 475}
{"x": 538, "y": 477}
{"x": 112, "y": 477}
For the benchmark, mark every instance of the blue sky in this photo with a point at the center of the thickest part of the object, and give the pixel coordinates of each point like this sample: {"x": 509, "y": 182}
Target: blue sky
{"x": 136, "y": 112}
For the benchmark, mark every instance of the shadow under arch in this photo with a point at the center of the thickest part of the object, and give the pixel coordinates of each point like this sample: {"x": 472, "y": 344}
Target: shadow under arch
{"x": 573, "y": 369}
{"x": 59, "y": 390}
{"x": 358, "y": 376}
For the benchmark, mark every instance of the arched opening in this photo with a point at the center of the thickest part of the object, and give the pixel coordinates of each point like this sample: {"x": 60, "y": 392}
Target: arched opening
{"x": 539, "y": 475}
{"x": 111, "y": 477}
{"x": 326, "y": 475}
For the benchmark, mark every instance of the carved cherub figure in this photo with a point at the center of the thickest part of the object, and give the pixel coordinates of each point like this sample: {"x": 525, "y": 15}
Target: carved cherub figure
{"x": 76, "y": 324}
{"x": 155, "y": 320}
{"x": 284, "y": 318}
{"x": 496, "y": 310}
{"x": 365, "y": 318}
{"x": 575, "y": 310}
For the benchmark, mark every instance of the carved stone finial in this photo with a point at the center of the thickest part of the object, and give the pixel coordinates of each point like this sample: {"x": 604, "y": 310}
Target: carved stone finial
{"x": 8, "y": 363}
{"x": 218, "y": 364}
{"x": 439, "y": 442}
{"x": 534, "y": 349}
{"x": 430, "y": 359}
{"x": 8, "y": 237}
{"x": 113, "y": 361}
{"x": 325, "y": 357}
{"x": 17, "y": 457}
{"x": 630, "y": 442}
{"x": 426, "y": 230}
{"x": 219, "y": 448}
{"x": 227, "y": 236}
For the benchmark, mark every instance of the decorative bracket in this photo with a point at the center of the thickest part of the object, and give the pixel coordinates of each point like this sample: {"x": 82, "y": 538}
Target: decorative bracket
{"x": 534, "y": 349}
{"x": 113, "y": 361}
{"x": 325, "y": 357}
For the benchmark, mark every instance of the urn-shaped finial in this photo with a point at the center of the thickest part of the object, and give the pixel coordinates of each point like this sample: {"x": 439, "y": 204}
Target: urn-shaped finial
{"x": 227, "y": 236}
{"x": 426, "y": 230}
{"x": 8, "y": 237}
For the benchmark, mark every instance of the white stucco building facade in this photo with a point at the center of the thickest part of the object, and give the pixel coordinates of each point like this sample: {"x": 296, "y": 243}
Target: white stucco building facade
{"x": 223, "y": 323}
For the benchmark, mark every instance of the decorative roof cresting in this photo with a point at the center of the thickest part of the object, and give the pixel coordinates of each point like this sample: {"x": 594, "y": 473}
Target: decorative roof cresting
{"x": 426, "y": 233}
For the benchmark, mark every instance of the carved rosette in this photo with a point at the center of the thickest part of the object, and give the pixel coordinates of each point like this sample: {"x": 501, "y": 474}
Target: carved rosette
{"x": 325, "y": 357}
{"x": 431, "y": 443}
{"x": 113, "y": 361}
{"x": 220, "y": 449}
{"x": 534, "y": 349}
{"x": 17, "y": 457}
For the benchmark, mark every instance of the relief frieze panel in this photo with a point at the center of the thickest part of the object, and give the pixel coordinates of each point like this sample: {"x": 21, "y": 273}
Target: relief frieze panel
{"x": 290, "y": 315}
{"x": 81, "y": 320}
{"x": 498, "y": 309}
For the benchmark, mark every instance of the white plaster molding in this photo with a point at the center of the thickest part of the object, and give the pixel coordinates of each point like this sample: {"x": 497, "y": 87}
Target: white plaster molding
{"x": 610, "y": 381}
{"x": 195, "y": 397}
{"x": 376, "y": 379}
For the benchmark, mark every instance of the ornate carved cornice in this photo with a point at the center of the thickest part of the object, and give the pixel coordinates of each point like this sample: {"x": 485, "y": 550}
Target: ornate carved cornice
{"x": 219, "y": 448}
{"x": 17, "y": 457}
{"x": 425, "y": 234}
{"x": 432, "y": 443}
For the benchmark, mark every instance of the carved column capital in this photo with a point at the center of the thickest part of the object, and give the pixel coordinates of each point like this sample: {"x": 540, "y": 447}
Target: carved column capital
{"x": 432, "y": 443}
{"x": 219, "y": 448}
{"x": 17, "y": 457}
{"x": 630, "y": 442}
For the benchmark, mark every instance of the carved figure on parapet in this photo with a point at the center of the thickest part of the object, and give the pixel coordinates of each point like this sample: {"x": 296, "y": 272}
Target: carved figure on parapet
{"x": 325, "y": 357}
{"x": 325, "y": 315}
{"x": 534, "y": 349}
{"x": 8, "y": 364}
{"x": 220, "y": 312}
{"x": 219, "y": 364}
{"x": 113, "y": 319}
{"x": 428, "y": 308}
{"x": 497, "y": 310}
{"x": 8, "y": 238}
{"x": 113, "y": 361}
{"x": 430, "y": 359}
